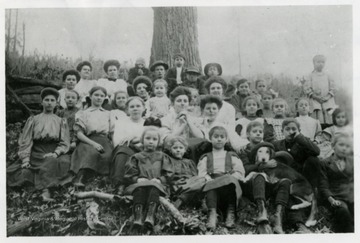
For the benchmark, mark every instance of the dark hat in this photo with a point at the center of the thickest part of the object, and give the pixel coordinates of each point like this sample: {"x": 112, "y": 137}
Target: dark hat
{"x": 109, "y": 63}
{"x": 83, "y": 63}
{"x": 193, "y": 69}
{"x": 159, "y": 63}
{"x": 257, "y": 146}
{"x": 49, "y": 91}
{"x": 142, "y": 79}
{"x": 217, "y": 65}
{"x": 216, "y": 79}
{"x": 179, "y": 55}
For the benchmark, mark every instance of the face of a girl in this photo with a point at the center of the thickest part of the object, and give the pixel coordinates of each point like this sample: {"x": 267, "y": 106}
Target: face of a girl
{"x": 85, "y": 72}
{"x": 267, "y": 101}
{"x": 113, "y": 72}
{"x": 135, "y": 109}
{"x": 341, "y": 119}
{"x": 261, "y": 86}
{"x": 251, "y": 107}
{"x": 160, "y": 90}
{"x": 279, "y": 109}
{"x": 244, "y": 89}
{"x": 70, "y": 81}
{"x": 159, "y": 72}
{"x": 49, "y": 103}
{"x": 342, "y": 148}
{"x": 181, "y": 103}
{"x": 97, "y": 98}
{"x": 303, "y": 107}
{"x": 120, "y": 100}
{"x": 151, "y": 141}
{"x": 178, "y": 150}
{"x": 71, "y": 99}
{"x": 216, "y": 89}
{"x": 141, "y": 90}
{"x": 179, "y": 61}
{"x": 212, "y": 71}
{"x": 256, "y": 135}
{"x": 210, "y": 111}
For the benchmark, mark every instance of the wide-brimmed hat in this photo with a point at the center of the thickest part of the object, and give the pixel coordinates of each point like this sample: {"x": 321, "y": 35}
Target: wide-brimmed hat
{"x": 193, "y": 69}
{"x": 159, "y": 63}
{"x": 217, "y": 65}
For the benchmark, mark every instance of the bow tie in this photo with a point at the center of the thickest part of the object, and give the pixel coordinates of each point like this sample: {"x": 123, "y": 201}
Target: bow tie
{"x": 112, "y": 79}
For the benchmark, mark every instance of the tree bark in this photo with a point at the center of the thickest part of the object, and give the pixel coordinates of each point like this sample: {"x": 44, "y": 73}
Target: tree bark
{"x": 175, "y": 30}
{"x": 23, "y": 46}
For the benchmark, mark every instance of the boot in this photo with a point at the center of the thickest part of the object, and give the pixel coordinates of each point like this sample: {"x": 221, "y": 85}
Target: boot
{"x": 278, "y": 216}
{"x": 120, "y": 190}
{"x": 138, "y": 215}
{"x": 150, "y": 216}
{"x": 230, "y": 216}
{"x": 46, "y": 197}
{"x": 212, "y": 219}
{"x": 178, "y": 203}
{"x": 204, "y": 207}
{"x": 80, "y": 179}
{"x": 262, "y": 213}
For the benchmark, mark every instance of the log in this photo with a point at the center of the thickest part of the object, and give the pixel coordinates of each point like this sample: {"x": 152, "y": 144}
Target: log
{"x": 172, "y": 210}
{"x": 32, "y": 81}
{"x": 18, "y": 100}
{"x": 29, "y": 90}
{"x": 30, "y": 98}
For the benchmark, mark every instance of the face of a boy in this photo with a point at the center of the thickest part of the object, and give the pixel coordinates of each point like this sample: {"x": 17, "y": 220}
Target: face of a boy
{"x": 192, "y": 77}
{"x": 159, "y": 72}
{"x": 71, "y": 99}
{"x": 140, "y": 65}
{"x": 244, "y": 89}
{"x": 342, "y": 148}
{"x": 319, "y": 64}
{"x": 179, "y": 62}
{"x": 159, "y": 90}
{"x": 70, "y": 81}
{"x": 178, "y": 150}
{"x": 267, "y": 101}
{"x": 212, "y": 71}
{"x": 216, "y": 89}
{"x": 113, "y": 72}
{"x": 218, "y": 139}
{"x": 256, "y": 135}
{"x": 261, "y": 87}
{"x": 303, "y": 107}
{"x": 85, "y": 72}
{"x": 290, "y": 131}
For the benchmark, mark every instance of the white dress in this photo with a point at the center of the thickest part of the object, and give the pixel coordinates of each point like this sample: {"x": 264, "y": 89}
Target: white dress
{"x": 112, "y": 86}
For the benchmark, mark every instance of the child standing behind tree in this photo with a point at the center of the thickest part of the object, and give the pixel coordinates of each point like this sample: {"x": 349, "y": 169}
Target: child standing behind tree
{"x": 309, "y": 126}
{"x": 222, "y": 170}
{"x": 320, "y": 88}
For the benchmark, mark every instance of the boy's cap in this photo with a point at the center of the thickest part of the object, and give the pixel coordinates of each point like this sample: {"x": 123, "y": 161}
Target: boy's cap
{"x": 180, "y": 55}
{"x": 193, "y": 69}
{"x": 159, "y": 63}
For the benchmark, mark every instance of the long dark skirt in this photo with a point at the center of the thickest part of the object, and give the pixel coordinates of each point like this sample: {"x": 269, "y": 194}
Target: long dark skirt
{"x": 44, "y": 172}
{"x": 86, "y": 156}
{"x": 120, "y": 156}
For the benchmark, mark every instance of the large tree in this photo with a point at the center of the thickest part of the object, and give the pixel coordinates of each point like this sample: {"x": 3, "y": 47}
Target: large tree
{"x": 175, "y": 30}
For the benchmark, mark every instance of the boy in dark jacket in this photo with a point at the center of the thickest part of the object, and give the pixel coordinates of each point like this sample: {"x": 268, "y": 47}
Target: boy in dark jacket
{"x": 177, "y": 73}
{"x": 138, "y": 70}
{"x": 192, "y": 80}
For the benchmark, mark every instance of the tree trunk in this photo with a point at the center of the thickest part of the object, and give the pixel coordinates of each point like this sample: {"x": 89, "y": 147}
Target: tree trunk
{"x": 23, "y": 45}
{"x": 175, "y": 30}
{"x": 15, "y": 33}
{"x": 8, "y": 33}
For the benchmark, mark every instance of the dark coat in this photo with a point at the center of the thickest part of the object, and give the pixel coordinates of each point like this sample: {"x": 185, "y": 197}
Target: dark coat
{"x": 245, "y": 156}
{"x": 236, "y": 101}
{"x": 199, "y": 85}
{"x": 336, "y": 183}
{"x": 171, "y": 73}
{"x": 133, "y": 73}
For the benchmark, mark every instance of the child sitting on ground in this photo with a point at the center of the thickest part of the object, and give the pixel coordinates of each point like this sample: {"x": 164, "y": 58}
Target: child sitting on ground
{"x": 222, "y": 171}
{"x": 308, "y": 125}
{"x": 148, "y": 172}
{"x": 336, "y": 184}
{"x": 71, "y": 99}
{"x": 160, "y": 104}
{"x": 185, "y": 184}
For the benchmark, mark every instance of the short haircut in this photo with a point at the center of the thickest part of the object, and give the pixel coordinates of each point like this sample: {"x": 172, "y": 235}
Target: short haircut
{"x": 338, "y": 136}
{"x": 83, "y": 63}
{"x": 209, "y": 99}
{"x": 175, "y": 139}
{"x": 251, "y": 97}
{"x": 73, "y": 91}
{"x": 317, "y": 57}
{"x": 336, "y": 112}
{"x": 216, "y": 79}
{"x": 298, "y": 101}
{"x": 241, "y": 81}
{"x": 96, "y": 88}
{"x": 71, "y": 72}
{"x": 280, "y": 100}
{"x": 253, "y": 124}
{"x": 217, "y": 128}
{"x": 267, "y": 93}
{"x": 180, "y": 91}
{"x": 258, "y": 81}
{"x": 150, "y": 129}
{"x": 289, "y": 120}
{"x": 134, "y": 98}
{"x": 160, "y": 81}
